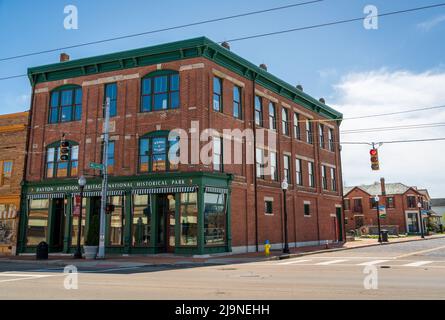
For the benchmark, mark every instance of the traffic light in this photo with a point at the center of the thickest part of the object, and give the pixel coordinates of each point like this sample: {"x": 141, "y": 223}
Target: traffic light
{"x": 374, "y": 159}
{"x": 109, "y": 208}
{"x": 64, "y": 150}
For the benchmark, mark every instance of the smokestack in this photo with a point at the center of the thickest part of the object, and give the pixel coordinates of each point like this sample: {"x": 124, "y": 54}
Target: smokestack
{"x": 263, "y": 66}
{"x": 322, "y": 100}
{"x": 382, "y": 185}
{"x": 64, "y": 57}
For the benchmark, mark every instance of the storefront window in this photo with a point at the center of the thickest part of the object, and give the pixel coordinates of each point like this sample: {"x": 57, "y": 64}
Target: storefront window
{"x": 214, "y": 219}
{"x": 37, "y": 221}
{"x": 188, "y": 218}
{"x": 141, "y": 221}
{"x": 7, "y": 224}
{"x": 117, "y": 221}
{"x": 75, "y": 224}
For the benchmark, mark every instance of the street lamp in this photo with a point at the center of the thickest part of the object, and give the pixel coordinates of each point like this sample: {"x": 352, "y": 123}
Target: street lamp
{"x": 82, "y": 182}
{"x": 376, "y": 199}
{"x": 284, "y": 186}
{"x": 419, "y": 205}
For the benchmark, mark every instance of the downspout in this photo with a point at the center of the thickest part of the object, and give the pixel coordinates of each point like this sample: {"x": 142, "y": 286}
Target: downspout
{"x": 254, "y": 164}
{"x": 340, "y": 173}
{"x": 21, "y": 226}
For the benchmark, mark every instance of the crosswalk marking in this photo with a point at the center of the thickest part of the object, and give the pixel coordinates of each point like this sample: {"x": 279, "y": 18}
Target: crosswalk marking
{"x": 293, "y": 262}
{"x": 417, "y": 263}
{"x": 330, "y": 262}
{"x": 371, "y": 263}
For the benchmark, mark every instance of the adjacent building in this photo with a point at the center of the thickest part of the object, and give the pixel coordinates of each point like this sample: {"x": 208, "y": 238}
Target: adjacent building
{"x": 193, "y": 206}
{"x": 438, "y": 206}
{"x": 13, "y": 134}
{"x": 398, "y": 203}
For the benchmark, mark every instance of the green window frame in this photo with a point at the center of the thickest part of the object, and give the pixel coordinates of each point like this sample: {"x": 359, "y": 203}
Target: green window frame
{"x": 65, "y": 104}
{"x": 156, "y": 147}
{"x": 55, "y": 168}
{"x": 160, "y": 91}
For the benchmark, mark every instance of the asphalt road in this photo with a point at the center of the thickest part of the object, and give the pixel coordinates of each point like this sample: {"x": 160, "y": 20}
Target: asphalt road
{"x": 414, "y": 270}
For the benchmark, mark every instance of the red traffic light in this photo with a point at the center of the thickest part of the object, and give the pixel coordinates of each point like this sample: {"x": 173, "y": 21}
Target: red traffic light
{"x": 373, "y": 152}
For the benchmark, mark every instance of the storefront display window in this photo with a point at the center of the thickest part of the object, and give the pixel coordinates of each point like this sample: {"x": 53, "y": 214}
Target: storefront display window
{"x": 214, "y": 218}
{"x": 7, "y": 224}
{"x": 37, "y": 221}
{"x": 141, "y": 221}
{"x": 117, "y": 222}
{"x": 188, "y": 217}
{"x": 75, "y": 223}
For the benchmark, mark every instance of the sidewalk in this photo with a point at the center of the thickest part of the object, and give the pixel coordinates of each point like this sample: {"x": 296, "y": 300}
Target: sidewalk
{"x": 129, "y": 261}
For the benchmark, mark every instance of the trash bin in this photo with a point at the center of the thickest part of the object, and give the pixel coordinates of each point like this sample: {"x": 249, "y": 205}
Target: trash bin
{"x": 384, "y": 234}
{"x": 42, "y": 251}
{"x": 441, "y": 228}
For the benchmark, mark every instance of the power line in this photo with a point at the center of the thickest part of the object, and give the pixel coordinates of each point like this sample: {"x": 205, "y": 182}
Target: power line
{"x": 225, "y": 18}
{"x": 394, "y": 141}
{"x": 163, "y": 29}
{"x": 335, "y": 22}
{"x": 395, "y": 128}
{"x": 394, "y": 113}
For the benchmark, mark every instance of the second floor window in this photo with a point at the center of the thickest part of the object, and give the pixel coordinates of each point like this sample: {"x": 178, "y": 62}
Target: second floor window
{"x": 297, "y": 134}
{"x": 259, "y": 155}
{"x": 324, "y": 179}
{"x": 321, "y": 135}
{"x": 298, "y": 172}
{"x": 217, "y": 154}
{"x": 110, "y": 156}
{"x": 331, "y": 139}
{"x": 285, "y": 121}
{"x": 358, "y": 206}
{"x": 390, "y": 202}
{"x": 5, "y": 172}
{"x": 309, "y": 137}
{"x": 155, "y": 153}
{"x": 217, "y": 94}
{"x": 56, "y": 168}
{"x": 66, "y": 105}
{"x": 311, "y": 174}
{"x": 272, "y": 116}
{"x": 237, "y": 106}
{"x": 258, "y": 111}
{"x": 347, "y": 204}
{"x": 111, "y": 92}
{"x": 273, "y": 166}
{"x": 286, "y": 168}
{"x": 160, "y": 91}
{"x": 411, "y": 201}
{"x": 372, "y": 203}
{"x": 333, "y": 180}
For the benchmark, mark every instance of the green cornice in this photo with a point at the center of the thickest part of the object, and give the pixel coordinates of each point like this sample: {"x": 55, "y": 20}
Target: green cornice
{"x": 191, "y": 48}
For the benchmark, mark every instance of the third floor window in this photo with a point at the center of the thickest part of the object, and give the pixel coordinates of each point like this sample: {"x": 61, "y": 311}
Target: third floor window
{"x": 111, "y": 92}
{"x": 285, "y": 121}
{"x": 217, "y": 94}
{"x": 66, "y": 105}
{"x": 160, "y": 91}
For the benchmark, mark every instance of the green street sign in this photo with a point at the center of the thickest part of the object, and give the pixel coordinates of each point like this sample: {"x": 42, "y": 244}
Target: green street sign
{"x": 96, "y": 166}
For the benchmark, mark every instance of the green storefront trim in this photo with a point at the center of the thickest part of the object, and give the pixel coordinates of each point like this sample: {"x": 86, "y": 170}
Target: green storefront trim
{"x": 180, "y": 50}
{"x": 127, "y": 186}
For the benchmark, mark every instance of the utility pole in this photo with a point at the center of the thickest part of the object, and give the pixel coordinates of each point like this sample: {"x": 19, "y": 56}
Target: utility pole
{"x": 103, "y": 203}
{"x": 376, "y": 199}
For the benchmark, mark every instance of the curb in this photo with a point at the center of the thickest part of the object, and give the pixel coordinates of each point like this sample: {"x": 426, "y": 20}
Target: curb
{"x": 301, "y": 254}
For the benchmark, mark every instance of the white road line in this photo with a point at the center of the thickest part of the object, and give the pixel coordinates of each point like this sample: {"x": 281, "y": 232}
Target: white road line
{"x": 22, "y": 275}
{"x": 371, "y": 263}
{"x": 417, "y": 263}
{"x": 292, "y": 262}
{"x": 330, "y": 262}
{"x": 420, "y": 252}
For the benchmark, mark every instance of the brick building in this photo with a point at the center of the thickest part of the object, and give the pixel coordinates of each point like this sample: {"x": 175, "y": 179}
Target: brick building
{"x": 401, "y": 207}
{"x": 192, "y": 207}
{"x": 13, "y": 133}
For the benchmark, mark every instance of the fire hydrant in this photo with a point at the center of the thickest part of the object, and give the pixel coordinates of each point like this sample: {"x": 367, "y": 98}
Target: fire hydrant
{"x": 267, "y": 248}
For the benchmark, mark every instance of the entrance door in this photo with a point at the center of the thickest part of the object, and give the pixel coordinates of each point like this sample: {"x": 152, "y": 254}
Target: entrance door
{"x": 58, "y": 224}
{"x": 166, "y": 221}
{"x": 339, "y": 224}
{"x": 412, "y": 222}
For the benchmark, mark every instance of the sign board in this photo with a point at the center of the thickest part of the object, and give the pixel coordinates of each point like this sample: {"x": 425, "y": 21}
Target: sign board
{"x": 382, "y": 211}
{"x": 96, "y": 166}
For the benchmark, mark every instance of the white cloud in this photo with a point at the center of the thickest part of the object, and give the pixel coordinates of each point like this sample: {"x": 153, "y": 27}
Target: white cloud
{"x": 429, "y": 24}
{"x": 383, "y": 91}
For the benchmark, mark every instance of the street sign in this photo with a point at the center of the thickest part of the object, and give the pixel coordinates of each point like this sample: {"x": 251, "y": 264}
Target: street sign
{"x": 96, "y": 166}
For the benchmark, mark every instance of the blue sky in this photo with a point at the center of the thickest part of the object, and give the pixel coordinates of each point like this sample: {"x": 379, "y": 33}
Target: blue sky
{"x": 328, "y": 62}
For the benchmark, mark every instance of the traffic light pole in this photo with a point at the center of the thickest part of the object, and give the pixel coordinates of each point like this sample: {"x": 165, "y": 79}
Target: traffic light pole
{"x": 103, "y": 203}
{"x": 378, "y": 222}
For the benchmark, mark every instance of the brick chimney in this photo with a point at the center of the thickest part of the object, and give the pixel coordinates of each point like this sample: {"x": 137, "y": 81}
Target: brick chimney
{"x": 64, "y": 57}
{"x": 382, "y": 185}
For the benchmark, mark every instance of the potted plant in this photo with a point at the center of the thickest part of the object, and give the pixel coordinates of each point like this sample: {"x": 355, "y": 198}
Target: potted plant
{"x": 92, "y": 242}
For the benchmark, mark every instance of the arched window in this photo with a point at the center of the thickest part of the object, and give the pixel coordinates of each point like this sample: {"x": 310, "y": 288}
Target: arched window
{"x": 160, "y": 91}
{"x": 65, "y": 104}
{"x": 55, "y": 167}
{"x": 157, "y": 152}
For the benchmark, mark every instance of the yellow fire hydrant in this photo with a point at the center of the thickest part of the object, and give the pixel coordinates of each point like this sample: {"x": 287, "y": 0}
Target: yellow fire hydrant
{"x": 267, "y": 248}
